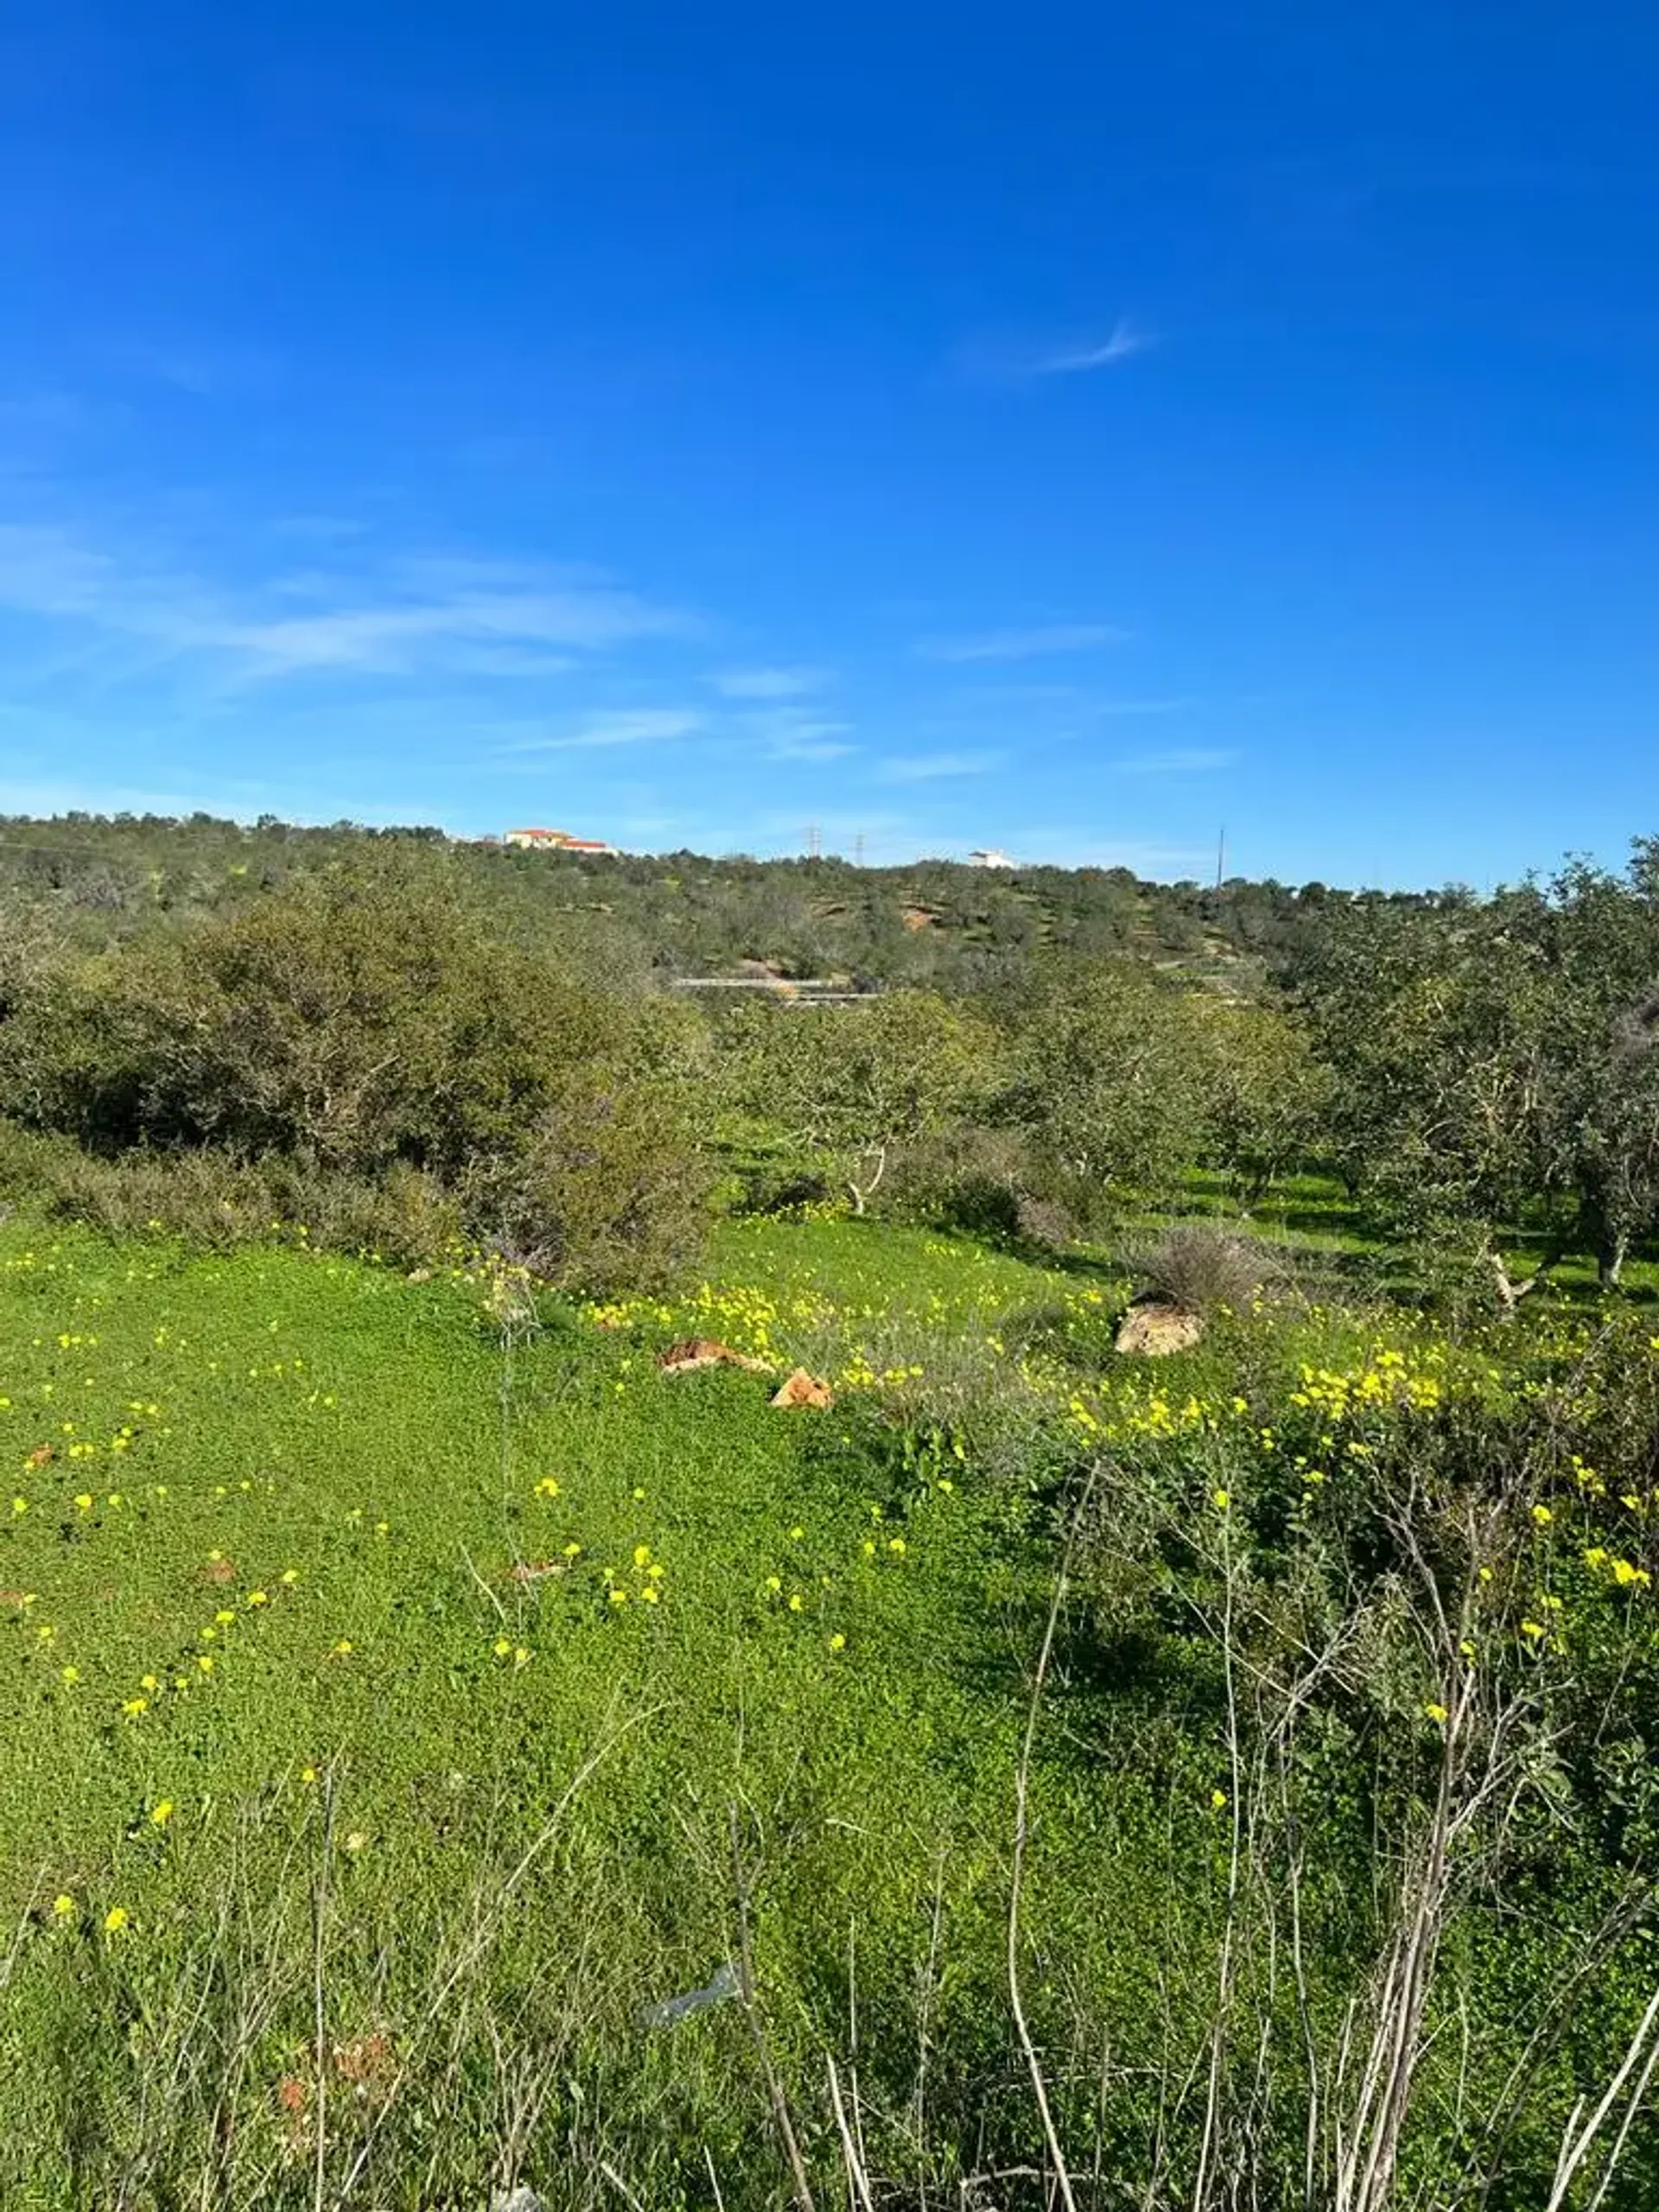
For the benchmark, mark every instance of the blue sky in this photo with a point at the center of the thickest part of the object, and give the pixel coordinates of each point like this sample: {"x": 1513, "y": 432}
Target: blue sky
{"x": 1069, "y": 428}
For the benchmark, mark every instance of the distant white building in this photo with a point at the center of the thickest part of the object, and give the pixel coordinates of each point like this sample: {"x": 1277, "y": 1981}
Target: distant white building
{"x": 989, "y": 857}
{"x": 555, "y": 841}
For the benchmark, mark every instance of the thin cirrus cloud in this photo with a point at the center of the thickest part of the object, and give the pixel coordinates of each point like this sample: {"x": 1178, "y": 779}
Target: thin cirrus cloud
{"x": 626, "y": 726}
{"x": 1022, "y": 644}
{"x": 405, "y": 619}
{"x": 930, "y": 767}
{"x": 1124, "y": 343}
{"x": 457, "y": 614}
{"x": 808, "y": 740}
{"x": 789, "y": 733}
{"x": 767, "y": 682}
{"x": 1192, "y": 761}
{"x": 1019, "y": 359}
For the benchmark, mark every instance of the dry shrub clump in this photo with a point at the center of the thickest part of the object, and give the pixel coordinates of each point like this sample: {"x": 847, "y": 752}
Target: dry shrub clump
{"x": 1204, "y": 1270}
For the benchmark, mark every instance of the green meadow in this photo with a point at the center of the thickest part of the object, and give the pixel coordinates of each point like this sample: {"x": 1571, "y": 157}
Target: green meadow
{"x": 410, "y": 1689}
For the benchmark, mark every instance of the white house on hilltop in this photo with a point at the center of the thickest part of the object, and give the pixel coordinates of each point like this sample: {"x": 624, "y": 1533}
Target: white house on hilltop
{"x": 555, "y": 841}
{"x": 988, "y": 857}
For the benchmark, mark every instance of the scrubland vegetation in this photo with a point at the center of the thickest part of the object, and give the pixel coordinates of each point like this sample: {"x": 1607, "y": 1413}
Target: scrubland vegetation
{"x": 1049, "y": 1776}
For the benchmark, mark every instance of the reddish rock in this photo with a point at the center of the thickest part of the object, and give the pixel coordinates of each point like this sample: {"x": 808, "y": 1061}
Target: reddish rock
{"x": 704, "y": 1351}
{"x": 803, "y": 1389}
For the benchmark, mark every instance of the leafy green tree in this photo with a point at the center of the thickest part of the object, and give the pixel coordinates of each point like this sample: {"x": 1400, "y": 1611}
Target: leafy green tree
{"x": 1493, "y": 1061}
{"x": 848, "y": 1085}
{"x": 1110, "y": 1078}
{"x": 1601, "y": 1097}
{"x": 1266, "y": 1092}
{"x": 1434, "y": 1025}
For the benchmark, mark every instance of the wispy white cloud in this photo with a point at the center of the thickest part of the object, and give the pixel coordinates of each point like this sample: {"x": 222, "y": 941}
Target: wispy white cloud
{"x": 1022, "y": 644}
{"x": 409, "y": 619}
{"x": 1193, "y": 761}
{"x": 1124, "y": 343}
{"x": 767, "y": 682}
{"x": 204, "y": 369}
{"x": 400, "y": 639}
{"x": 786, "y": 733}
{"x": 811, "y": 741}
{"x": 929, "y": 768}
{"x": 626, "y": 726}
{"x": 1017, "y": 358}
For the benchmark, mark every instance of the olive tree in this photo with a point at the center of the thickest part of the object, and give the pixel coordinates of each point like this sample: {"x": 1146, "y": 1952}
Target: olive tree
{"x": 1109, "y": 1078}
{"x": 849, "y": 1084}
{"x": 1493, "y": 1062}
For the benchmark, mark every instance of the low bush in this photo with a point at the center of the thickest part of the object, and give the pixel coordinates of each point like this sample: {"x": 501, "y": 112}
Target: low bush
{"x": 969, "y": 1178}
{"x": 605, "y": 1191}
{"x": 212, "y": 1198}
{"x": 1204, "y": 1270}
{"x": 359, "y": 1052}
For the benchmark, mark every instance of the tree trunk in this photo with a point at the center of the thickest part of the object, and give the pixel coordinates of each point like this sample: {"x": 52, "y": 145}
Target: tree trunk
{"x": 860, "y": 1193}
{"x": 1611, "y": 1255}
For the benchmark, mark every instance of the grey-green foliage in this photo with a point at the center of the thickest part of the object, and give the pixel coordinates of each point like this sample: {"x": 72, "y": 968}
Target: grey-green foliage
{"x": 365, "y": 1018}
{"x": 848, "y": 1085}
{"x": 1109, "y": 1078}
{"x": 1489, "y": 1058}
{"x": 1266, "y": 1092}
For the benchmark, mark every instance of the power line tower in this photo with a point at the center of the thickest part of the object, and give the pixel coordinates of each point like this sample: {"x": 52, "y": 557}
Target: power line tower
{"x": 858, "y": 849}
{"x": 814, "y": 843}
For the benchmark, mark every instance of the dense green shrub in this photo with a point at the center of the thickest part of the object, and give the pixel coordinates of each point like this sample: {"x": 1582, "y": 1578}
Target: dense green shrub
{"x": 364, "y": 1028}
{"x": 966, "y": 1178}
{"x": 603, "y": 1191}
{"x": 214, "y": 1198}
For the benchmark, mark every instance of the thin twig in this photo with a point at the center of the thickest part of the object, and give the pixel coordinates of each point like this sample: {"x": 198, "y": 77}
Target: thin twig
{"x": 1574, "y": 2152}
{"x": 319, "y": 1930}
{"x": 501, "y": 1610}
{"x": 855, "y": 2173}
{"x": 1021, "y": 1799}
{"x": 774, "y": 2088}
{"x": 501, "y": 1897}
{"x": 619, "y": 2185}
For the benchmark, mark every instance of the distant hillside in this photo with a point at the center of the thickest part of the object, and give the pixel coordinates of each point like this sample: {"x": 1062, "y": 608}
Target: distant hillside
{"x": 679, "y": 914}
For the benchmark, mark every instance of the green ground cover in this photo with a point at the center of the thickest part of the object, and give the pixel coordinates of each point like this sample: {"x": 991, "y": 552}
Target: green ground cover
{"x": 387, "y": 1680}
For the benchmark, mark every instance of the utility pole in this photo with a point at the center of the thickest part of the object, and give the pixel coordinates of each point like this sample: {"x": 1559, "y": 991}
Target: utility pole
{"x": 1221, "y": 856}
